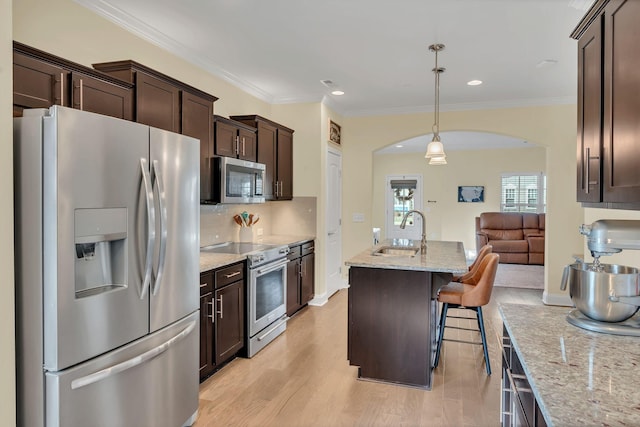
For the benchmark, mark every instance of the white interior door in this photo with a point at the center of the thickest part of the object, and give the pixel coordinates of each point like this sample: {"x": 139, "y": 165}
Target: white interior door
{"x": 403, "y": 193}
{"x": 334, "y": 222}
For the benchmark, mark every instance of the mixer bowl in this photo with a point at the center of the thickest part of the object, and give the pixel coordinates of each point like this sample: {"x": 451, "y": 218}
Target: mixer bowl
{"x": 590, "y": 290}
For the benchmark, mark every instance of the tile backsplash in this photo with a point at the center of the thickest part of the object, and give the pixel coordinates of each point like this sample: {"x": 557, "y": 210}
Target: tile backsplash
{"x": 294, "y": 217}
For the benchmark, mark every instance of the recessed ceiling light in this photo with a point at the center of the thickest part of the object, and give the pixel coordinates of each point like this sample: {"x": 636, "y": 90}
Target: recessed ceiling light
{"x": 474, "y": 82}
{"x": 399, "y": 145}
{"x": 337, "y": 92}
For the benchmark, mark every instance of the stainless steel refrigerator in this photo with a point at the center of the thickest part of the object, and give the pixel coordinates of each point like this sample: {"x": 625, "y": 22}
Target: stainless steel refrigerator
{"x": 107, "y": 271}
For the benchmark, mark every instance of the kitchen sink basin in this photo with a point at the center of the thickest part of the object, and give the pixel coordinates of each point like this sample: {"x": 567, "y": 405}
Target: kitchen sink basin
{"x": 396, "y": 251}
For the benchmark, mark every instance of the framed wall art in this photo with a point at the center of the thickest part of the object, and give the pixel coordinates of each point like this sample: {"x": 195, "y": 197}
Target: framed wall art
{"x": 334, "y": 132}
{"x": 470, "y": 194}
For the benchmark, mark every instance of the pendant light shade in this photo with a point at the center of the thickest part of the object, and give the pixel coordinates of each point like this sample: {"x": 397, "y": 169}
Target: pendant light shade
{"x": 438, "y": 160}
{"x": 435, "y": 149}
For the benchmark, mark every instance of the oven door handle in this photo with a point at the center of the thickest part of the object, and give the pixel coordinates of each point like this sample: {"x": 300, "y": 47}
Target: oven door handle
{"x": 272, "y": 267}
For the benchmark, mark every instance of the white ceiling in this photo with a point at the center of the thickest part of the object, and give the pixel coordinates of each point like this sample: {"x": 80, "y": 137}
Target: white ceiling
{"x": 376, "y": 51}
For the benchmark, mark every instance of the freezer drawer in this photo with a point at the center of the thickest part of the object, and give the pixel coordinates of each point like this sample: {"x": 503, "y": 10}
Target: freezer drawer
{"x": 150, "y": 382}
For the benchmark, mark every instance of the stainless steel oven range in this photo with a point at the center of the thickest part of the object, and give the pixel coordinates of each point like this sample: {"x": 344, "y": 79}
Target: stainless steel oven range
{"x": 266, "y": 290}
{"x": 266, "y": 297}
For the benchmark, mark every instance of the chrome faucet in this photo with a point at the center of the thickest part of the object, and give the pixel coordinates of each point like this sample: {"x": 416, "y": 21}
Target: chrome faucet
{"x": 423, "y": 242}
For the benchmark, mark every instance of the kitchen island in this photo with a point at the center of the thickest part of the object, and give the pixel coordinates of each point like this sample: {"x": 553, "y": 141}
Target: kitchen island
{"x": 578, "y": 377}
{"x": 393, "y": 309}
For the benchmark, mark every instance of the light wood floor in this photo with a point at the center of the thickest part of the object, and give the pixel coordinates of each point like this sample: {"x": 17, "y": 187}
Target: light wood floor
{"x": 303, "y": 379}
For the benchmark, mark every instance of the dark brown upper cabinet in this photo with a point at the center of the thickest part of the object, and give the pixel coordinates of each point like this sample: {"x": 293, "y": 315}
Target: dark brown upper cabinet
{"x": 41, "y": 80}
{"x": 166, "y": 103}
{"x": 275, "y": 150}
{"x": 608, "y": 106}
{"x": 234, "y": 139}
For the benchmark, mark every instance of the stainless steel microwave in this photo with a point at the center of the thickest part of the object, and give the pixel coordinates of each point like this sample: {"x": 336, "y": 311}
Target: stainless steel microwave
{"x": 237, "y": 181}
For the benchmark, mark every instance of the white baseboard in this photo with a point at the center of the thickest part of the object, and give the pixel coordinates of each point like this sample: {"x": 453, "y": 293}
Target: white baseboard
{"x": 320, "y": 300}
{"x": 556, "y": 299}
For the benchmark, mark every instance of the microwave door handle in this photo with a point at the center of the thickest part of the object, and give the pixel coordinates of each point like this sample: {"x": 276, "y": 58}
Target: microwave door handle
{"x": 163, "y": 226}
{"x": 151, "y": 229}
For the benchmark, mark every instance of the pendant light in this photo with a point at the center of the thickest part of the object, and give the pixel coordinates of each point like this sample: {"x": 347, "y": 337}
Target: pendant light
{"x": 435, "y": 149}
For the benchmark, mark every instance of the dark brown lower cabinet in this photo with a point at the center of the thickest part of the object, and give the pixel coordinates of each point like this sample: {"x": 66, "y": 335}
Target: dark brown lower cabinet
{"x": 300, "y": 276}
{"x": 222, "y": 314}
{"x": 518, "y": 405}
{"x": 229, "y": 321}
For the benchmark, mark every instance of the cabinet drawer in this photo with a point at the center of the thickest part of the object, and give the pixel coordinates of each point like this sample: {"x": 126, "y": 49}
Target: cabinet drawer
{"x": 206, "y": 283}
{"x": 294, "y": 252}
{"x": 230, "y": 274}
{"x": 308, "y": 248}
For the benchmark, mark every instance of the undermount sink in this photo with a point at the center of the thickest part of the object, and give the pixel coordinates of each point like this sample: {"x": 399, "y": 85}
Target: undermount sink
{"x": 397, "y": 251}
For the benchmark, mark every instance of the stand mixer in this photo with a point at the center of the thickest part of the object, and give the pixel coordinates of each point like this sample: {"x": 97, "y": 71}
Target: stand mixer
{"x": 606, "y": 296}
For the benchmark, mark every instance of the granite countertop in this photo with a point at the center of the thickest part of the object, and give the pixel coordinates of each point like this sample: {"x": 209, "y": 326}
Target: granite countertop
{"x": 579, "y": 378}
{"x": 441, "y": 257}
{"x": 210, "y": 261}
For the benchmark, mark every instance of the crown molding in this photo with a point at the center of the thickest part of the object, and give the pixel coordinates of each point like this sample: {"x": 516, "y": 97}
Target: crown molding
{"x": 490, "y": 105}
{"x": 146, "y": 32}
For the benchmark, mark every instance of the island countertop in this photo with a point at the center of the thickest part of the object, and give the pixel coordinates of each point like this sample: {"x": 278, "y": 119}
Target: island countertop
{"x": 441, "y": 257}
{"x": 578, "y": 377}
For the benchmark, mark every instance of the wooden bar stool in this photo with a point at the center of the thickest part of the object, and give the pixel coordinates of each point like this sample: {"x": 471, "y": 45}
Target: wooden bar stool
{"x": 471, "y": 296}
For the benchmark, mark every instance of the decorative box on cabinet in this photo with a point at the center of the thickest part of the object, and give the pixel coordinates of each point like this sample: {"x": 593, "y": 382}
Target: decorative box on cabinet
{"x": 234, "y": 139}
{"x": 41, "y": 80}
{"x": 221, "y": 316}
{"x": 608, "y": 107}
{"x": 300, "y": 276}
{"x": 275, "y": 150}
{"x": 166, "y": 103}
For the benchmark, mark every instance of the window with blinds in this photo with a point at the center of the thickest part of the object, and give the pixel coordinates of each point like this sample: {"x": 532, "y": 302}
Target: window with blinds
{"x": 524, "y": 193}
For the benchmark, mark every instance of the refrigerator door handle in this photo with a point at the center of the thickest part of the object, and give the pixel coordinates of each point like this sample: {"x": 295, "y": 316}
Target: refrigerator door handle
{"x": 151, "y": 229}
{"x": 133, "y": 362}
{"x": 163, "y": 227}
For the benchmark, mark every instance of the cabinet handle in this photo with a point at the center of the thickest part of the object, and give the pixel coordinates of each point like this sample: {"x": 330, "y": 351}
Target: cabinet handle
{"x": 221, "y": 309}
{"x": 237, "y": 144}
{"x": 81, "y": 95}
{"x": 234, "y": 274}
{"x": 202, "y": 285}
{"x": 299, "y": 268}
{"x": 586, "y": 178}
{"x": 61, "y": 88}
{"x": 276, "y": 190}
{"x": 211, "y": 316}
{"x": 243, "y": 146}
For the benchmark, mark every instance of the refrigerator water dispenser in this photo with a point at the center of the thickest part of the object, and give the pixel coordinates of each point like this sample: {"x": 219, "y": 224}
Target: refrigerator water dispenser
{"x": 100, "y": 251}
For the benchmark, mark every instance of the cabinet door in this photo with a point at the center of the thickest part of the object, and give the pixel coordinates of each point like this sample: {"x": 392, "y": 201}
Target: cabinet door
{"x": 267, "y": 155}
{"x": 307, "y": 265}
{"x": 293, "y": 286}
{"x": 206, "y": 335}
{"x": 247, "y": 145}
{"x": 197, "y": 122}
{"x": 229, "y": 321}
{"x": 589, "y": 183}
{"x": 98, "y": 96}
{"x": 37, "y": 84}
{"x": 285, "y": 165}
{"x": 225, "y": 139}
{"x": 621, "y": 175}
{"x": 157, "y": 103}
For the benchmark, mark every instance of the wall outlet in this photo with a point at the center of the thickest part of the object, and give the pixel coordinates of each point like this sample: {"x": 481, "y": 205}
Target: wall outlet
{"x": 259, "y": 231}
{"x": 358, "y": 217}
